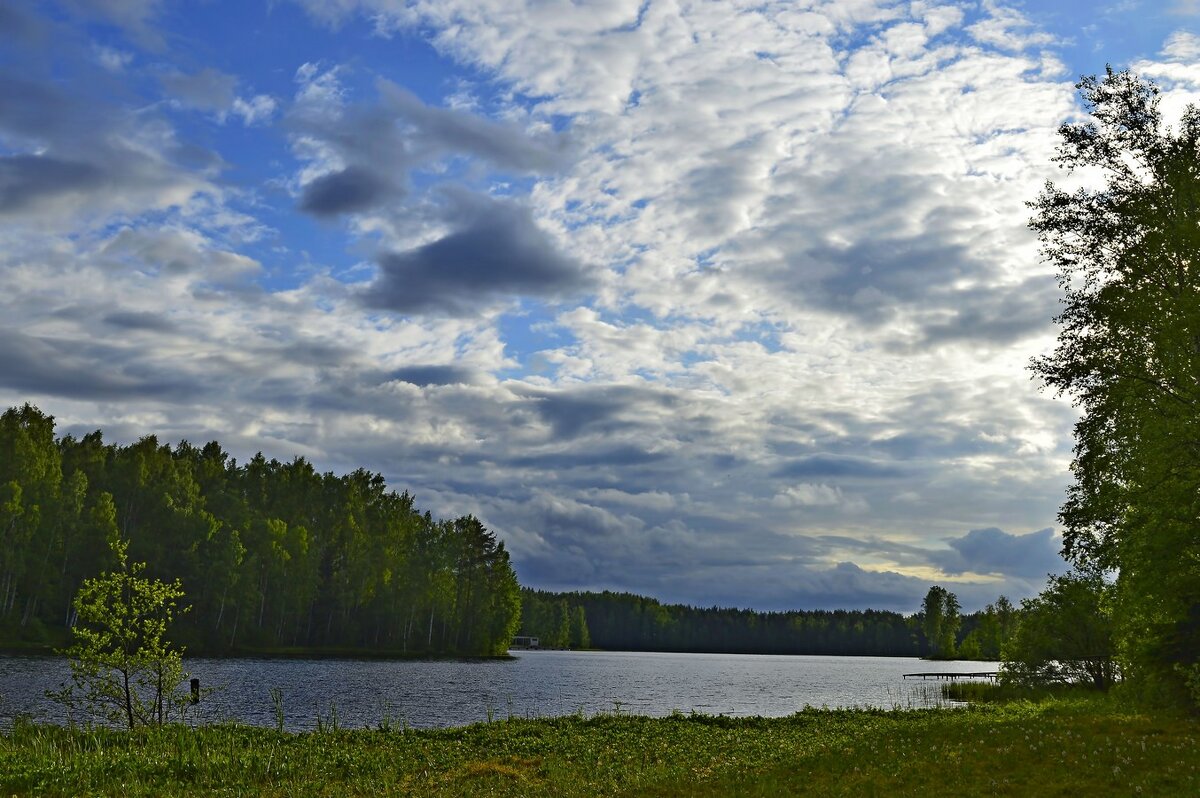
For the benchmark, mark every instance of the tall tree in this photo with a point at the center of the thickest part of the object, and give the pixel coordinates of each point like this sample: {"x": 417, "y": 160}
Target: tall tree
{"x": 1128, "y": 353}
{"x": 940, "y": 620}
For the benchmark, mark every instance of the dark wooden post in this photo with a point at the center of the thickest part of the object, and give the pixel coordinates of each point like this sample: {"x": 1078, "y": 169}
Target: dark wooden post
{"x": 195, "y": 691}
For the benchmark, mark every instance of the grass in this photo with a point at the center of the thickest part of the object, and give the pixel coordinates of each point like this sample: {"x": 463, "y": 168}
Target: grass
{"x": 1061, "y": 746}
{"x": 1000, "y": 693}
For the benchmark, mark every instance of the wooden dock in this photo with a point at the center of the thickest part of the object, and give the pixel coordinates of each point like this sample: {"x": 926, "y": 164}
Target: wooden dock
{"x": 947, "y": 676}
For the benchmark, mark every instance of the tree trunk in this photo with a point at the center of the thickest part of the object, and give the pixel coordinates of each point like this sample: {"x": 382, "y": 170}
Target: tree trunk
{"x": 262, "y": 601}
{"x": 128, "y": 698}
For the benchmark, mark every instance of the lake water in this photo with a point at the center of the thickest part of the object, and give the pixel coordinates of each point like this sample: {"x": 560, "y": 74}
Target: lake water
{"x": 532, "y": 684}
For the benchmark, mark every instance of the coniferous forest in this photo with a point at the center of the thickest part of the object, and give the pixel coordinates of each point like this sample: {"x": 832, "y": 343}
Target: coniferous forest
{"x": 271, "y": 555}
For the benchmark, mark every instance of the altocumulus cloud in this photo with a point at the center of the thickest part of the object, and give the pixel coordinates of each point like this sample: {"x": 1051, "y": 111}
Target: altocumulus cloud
{"x": 721, "y": 302}
{"x": 361, "y": 154}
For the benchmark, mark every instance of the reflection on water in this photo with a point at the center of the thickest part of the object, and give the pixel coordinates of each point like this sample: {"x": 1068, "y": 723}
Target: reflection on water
{"x": 533, "y": 684}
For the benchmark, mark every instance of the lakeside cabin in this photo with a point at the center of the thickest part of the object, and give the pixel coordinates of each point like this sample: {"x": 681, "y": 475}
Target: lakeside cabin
{"x": 523, "y": 641}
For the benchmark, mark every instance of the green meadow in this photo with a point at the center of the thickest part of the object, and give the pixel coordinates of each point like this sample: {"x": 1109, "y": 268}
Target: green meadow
{"x": 1064, "y": 745}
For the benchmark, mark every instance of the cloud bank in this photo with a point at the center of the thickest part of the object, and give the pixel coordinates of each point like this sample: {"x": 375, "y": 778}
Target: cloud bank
{"x": 723, "y": 303}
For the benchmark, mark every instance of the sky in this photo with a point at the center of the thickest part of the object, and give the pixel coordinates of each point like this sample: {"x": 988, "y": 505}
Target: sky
{"x": 727, "y": 303}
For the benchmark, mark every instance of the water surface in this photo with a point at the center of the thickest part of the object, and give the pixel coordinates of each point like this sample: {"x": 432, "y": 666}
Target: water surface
{"x": 532, "y": 684}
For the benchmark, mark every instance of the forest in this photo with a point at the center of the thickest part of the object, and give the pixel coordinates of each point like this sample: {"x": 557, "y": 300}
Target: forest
{"x": 271, "y": 555}
{"x": 275, "y": 556}
{"x": 628, "y": 622}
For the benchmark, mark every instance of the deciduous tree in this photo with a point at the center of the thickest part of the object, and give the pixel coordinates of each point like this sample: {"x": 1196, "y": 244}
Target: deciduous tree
{"x": 1064, "y": 635}
{"x": 123, "y": 669}
{"x": 1128, "y": 255}
{"x": 940, "y": 620}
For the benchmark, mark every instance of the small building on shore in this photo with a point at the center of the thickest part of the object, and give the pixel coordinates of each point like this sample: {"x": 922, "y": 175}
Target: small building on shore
{"x": 523, "y": 641}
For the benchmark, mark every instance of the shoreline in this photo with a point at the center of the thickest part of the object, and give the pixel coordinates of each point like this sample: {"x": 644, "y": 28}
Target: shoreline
{"x": 1078, "y": 744}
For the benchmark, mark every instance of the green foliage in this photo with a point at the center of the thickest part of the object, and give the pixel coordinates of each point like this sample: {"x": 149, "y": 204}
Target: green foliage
{"x": 272, "y": 555}
{"x": 1064, "y": 635}
{"x": 624, "y": 621}
{"x": 1089, "y": 746}
{"x": 1008, "y": 691}
{"x": 1128, "y": 353}
{"x": 123, "y": 670}
{"x": 993, "y": 627}
{"x": 940, "y": 620}
{"x": 580, "y": 636}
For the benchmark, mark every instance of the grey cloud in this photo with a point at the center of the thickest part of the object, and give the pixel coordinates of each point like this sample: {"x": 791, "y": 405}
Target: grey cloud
{"x": 206, "y": 90}
{"x": 380, "y": 143}
{"x": 621, "y": 456}
{"x": 993, "y": 551}
{"x": 839, "y": 466}
{"x": 136, "y": 320}
{"x": 81, "y": 156}
{"x": 498, "y": 253}
{"x": 605, "y": 410}
{"x": 424, "y": 376}
{"x": 875, "y": 280}
{"x": 174, "y": 251}
{"x": 569, "y": 413}
{"x": 936, "y": 441}
{"x": 311, "y": 352}
{"x": 36, "y": 111}
{"x": 448, "y": 130}
{"x": 998, "y": 315}
{"x": 845, "y": 585}
{"x": 870, "y": 278}
{"x": 79, "y": 370}
{"x": 27, "y": 180}
{"x": 351, "y": 190}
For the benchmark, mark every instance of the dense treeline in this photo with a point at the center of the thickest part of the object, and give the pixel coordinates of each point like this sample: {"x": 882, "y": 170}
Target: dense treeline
{"x": 623, "y": 621}
{"x": 555, "y": 621}
{"x": 270, "y": 554}
{"x": 628, "y": 622}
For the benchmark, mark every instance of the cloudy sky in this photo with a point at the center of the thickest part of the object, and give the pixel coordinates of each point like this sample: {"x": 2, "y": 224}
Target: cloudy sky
{"x": 721, "y": 302}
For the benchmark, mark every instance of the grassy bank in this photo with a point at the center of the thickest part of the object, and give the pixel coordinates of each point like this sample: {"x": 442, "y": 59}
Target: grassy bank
{"x": 1057, "y": 747}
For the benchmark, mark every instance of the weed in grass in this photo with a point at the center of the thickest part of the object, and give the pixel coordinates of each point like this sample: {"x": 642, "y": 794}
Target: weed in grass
{"x": 277, "y": 704}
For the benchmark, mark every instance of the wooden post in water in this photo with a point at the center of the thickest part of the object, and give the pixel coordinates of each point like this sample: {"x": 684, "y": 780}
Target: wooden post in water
{"x": 195, "y": 691}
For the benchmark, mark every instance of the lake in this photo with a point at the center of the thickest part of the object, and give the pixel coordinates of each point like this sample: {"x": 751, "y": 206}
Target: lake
{"x": 440, "y": 693}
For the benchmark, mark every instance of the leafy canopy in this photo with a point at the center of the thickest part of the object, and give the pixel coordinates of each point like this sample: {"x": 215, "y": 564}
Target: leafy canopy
{"x": 123, "y": 670}
{"x": 1064, "y": 635}
{"x": 1127, "y": 251}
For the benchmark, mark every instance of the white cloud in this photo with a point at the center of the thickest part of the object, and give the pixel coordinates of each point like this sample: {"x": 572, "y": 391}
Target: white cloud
{"x": 1008, "y": 29}
{"x": 810, "y": 290}
{"x": 112, "y": 59}
{"x": 806, "y": 494}
{"x": 1182, "y": 45}
{"x": 258, "y": 110}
